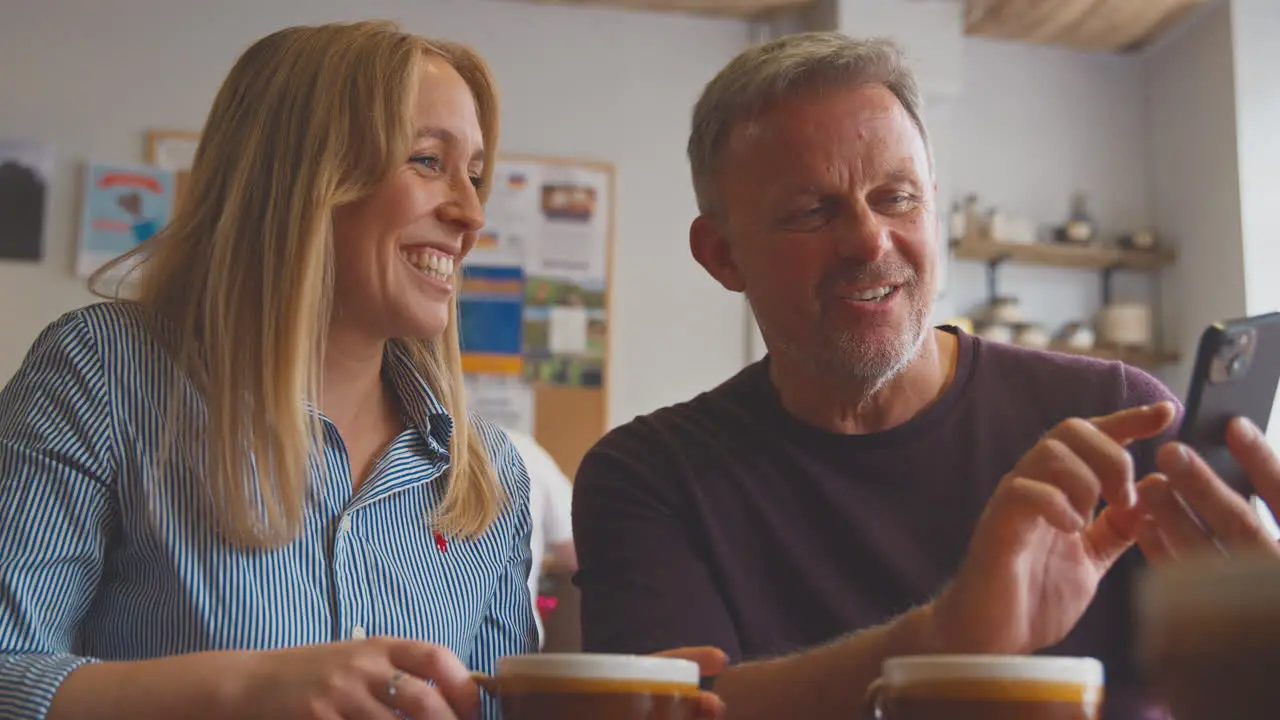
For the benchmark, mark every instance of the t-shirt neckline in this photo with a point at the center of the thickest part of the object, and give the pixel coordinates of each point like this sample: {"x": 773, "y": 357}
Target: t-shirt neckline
{"x": 930, "y": 418}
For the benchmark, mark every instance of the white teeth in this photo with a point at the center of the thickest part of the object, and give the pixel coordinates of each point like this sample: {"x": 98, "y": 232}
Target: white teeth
{"x": 430, "y": 263}
{"x": 872, "y": 294}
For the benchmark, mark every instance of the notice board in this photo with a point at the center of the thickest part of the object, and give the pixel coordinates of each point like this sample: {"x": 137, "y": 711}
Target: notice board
{"x": 534, "y": 300}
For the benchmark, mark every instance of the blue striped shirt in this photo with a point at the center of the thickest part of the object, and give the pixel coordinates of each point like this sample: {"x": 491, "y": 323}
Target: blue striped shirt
{"x": 103, "y": 557}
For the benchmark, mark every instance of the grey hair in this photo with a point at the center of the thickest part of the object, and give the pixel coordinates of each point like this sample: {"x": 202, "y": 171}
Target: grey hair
{"x": 782, "y": 68}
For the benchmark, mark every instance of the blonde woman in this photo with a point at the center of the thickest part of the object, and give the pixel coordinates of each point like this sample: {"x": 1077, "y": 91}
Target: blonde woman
{"x": 252, "y": 489}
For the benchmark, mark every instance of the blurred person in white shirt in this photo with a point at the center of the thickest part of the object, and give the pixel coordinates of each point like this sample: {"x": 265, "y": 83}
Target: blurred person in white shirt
{"x": 550, "y": 501}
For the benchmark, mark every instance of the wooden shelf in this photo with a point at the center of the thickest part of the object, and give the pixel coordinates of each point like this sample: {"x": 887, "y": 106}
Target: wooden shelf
{"x": 1090, "y": 257}
{"x": 1147, "y": 359}
{"x": 1096, "y": 257}
{"x": 719, "y": 8}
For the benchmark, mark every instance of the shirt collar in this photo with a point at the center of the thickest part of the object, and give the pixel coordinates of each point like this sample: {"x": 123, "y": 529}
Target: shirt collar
{"x": 418, "y": 402}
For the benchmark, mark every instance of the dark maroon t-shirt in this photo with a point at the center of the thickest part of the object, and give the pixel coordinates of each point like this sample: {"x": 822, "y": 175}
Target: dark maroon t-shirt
{"x": 725, "y": 521}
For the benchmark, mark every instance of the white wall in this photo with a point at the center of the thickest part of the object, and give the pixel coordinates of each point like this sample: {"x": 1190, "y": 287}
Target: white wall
{"x": 92, "y": 77}
{"x": 931, "y": 33}
{"x": 1032, "y": 126}
{"x": 1256, "y": 25}
{"x": 1193, "y": 179}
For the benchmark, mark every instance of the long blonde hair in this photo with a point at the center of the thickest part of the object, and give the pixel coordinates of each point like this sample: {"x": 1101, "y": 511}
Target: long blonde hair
{"x": 309, "y": 118}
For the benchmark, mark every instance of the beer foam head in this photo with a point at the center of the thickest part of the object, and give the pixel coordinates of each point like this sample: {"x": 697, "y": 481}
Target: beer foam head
{"x": 593, "y": 666}
{"x": 1078, "y": 671}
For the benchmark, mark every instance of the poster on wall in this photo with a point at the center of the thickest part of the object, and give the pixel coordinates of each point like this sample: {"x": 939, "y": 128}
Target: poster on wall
{"x": 510, "y": 234}
{"x": 505, "y": 400}
{"x": 574, "y": 217}
{"x": 25, "y": 170}
{"x": 122, "y": 207}
{"x": 553, "y": 220}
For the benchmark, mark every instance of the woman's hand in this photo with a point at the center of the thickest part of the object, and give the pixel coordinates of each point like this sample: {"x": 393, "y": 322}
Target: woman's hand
{"x": 359, "y": 680}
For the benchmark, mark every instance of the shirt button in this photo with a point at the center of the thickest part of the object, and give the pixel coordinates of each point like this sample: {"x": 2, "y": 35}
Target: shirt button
{"x": 358, "y": 632}
{"x": 345, "y": 525}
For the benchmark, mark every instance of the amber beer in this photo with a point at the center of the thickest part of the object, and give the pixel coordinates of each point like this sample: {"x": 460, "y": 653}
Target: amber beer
{"x": 987, "y": 687}
{"x": 1210, "y": 636}
{"x": 582, "y": 686}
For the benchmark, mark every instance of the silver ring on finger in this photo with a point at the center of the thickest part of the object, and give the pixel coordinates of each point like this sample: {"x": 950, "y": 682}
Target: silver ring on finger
{"x": 393, "y": 684}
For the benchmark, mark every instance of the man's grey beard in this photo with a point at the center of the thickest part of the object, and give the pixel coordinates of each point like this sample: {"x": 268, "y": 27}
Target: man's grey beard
{"x": 855, "y": 362}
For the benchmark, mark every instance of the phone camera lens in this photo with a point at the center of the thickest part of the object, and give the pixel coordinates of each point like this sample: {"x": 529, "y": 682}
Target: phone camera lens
{"x": 1235, "y": 365}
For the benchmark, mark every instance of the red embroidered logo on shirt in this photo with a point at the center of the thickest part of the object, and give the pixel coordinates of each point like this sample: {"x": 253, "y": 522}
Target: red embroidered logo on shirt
{"x": 441, "y": 543}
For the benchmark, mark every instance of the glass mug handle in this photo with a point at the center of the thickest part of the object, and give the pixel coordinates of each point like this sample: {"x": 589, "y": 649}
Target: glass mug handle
{"x": 873, "y": 704}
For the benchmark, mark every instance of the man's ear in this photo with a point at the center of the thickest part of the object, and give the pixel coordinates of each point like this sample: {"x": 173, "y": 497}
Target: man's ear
{"x": 710, "y": 247}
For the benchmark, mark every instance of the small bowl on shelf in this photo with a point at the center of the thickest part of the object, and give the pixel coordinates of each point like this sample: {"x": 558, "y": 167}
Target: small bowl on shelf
{"x": 1032, "y": 335}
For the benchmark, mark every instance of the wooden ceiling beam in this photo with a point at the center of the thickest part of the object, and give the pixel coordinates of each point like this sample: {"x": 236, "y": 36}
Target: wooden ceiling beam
{"x": 1096, "y": 25}
{"x": 716, "y": 8}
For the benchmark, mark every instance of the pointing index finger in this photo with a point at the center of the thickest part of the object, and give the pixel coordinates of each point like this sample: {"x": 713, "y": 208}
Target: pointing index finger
{"x": 1137, "y": 423}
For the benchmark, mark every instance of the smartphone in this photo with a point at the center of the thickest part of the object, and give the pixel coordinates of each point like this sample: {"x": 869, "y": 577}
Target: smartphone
{"x": 1236, "y": 373}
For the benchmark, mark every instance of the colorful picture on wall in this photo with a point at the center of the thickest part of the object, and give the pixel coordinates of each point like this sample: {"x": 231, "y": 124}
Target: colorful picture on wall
{"x": 490, "y": 313}
{"x": 565, "y": 332}
{"x": 25, "y": 170}
{"x": 568, "y": 201}
{"x": 123, "y": 206}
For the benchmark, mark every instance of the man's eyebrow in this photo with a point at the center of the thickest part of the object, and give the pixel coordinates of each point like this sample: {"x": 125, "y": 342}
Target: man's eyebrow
{"x": 902, "y": 175}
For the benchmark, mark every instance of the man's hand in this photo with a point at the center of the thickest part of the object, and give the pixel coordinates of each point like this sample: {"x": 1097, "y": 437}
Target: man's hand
{"x": 1039, "y": 552}
{"x": 711, "y": 662}
{"x": 1186, "y": 483}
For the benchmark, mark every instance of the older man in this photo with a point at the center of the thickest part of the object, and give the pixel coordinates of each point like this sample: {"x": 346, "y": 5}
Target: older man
{"x": 874, "y": 486}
